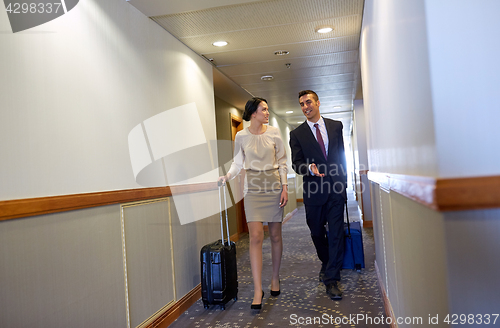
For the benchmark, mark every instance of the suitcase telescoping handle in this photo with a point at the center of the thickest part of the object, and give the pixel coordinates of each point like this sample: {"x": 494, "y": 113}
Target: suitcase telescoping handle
{"x": 223, "y": 188}
{"x": 348, "y": 225}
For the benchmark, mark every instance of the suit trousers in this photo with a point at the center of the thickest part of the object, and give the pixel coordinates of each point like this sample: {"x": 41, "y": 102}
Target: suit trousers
{"x": 329, "y": 246}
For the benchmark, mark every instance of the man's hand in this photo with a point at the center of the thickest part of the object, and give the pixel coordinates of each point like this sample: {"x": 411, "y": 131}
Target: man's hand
{"x": 315, "y": 171}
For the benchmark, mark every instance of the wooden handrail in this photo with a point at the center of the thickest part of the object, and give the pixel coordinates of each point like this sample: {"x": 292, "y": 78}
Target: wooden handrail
{"x": 19, "y": 208}
{"x": 443, "y": 194}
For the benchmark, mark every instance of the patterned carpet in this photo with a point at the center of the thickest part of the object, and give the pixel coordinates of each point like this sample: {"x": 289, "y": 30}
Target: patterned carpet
{"x": 303, "y": 301}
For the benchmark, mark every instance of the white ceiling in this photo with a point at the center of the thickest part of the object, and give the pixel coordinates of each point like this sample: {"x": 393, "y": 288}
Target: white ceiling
{"x": 256, "y": 29}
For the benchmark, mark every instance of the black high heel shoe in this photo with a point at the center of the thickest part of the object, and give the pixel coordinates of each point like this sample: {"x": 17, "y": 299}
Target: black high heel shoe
{"x": 275, "y": 293}
{"x": 257, "y": 306}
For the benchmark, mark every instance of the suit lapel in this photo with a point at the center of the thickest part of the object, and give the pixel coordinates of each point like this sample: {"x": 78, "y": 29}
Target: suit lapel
{"x": 311, "y": 140}
{"x": 331, "y": 135}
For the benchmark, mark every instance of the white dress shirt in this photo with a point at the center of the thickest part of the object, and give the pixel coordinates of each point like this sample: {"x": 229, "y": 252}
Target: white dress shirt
{"x": 324, "y": 134}
{"x": 322, "y": 129}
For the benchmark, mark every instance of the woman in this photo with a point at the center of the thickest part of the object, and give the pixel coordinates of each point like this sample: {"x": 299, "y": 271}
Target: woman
{"x": 260, "y": 151}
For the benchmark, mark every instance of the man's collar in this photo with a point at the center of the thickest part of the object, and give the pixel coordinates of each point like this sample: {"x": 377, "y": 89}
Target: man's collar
{"x": 321, "y": 122}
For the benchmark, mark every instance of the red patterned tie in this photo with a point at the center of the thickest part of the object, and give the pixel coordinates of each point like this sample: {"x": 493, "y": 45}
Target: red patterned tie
{"x": 320, "y": 140}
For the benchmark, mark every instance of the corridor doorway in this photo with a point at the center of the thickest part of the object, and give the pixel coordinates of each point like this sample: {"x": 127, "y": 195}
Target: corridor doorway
{"x": 237, "y": 125}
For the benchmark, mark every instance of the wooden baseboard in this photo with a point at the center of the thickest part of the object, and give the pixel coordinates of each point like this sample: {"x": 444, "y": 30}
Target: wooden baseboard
{"x": 367, "y": 224}
{"x": 300, "y": 200}
{"x": 173, "y": 312}
{"x": 235, "y": 237}
{"x": 387, "y": 303}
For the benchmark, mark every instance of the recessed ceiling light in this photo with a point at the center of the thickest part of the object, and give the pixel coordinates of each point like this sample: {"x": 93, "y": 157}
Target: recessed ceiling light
{"x": 324, "y": 29}
{"x": 300, "y": 122}
{"x": 281, "y": 53}
{"x": 289, "y": 112}
{"x": 220, "y": 43}
{"x": 267, "y": 78}
{"x": 337, "y": 107}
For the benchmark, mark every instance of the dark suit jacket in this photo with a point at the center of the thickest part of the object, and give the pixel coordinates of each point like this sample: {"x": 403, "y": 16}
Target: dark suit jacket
{"x": 306, "y": 150}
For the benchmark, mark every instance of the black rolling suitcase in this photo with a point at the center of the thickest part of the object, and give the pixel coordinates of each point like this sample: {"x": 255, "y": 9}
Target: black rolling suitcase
{"x": 354, "y": 256}
{"x": 219, "y": 279}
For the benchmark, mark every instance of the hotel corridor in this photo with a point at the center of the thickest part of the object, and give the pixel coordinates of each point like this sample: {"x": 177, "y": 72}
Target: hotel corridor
{"x": 303, "y": 301}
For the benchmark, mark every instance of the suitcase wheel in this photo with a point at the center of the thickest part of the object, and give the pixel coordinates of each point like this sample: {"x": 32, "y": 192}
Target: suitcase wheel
{"x": 222, "y": 307}
{"x": 235, "y": 298}
{"x": 206, "y": 306}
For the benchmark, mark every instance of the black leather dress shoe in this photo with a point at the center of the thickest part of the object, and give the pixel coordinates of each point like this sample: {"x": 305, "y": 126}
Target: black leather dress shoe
{"x": 257, "y": 306}
{"x": 321, "y": 276}
{"x": 333, "y": 291}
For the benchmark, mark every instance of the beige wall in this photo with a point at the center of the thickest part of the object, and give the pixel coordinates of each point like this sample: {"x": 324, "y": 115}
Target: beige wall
{"x": 473, "y": 244}
{"x": 397, "y": 88}
{"x": 63, "y": 270}
{"x": 465, "y": 115}
{"x": 360, "y": 154}
{"x": 69, "y": 269}
{"x": 410, "y": 256}
{"x": 72, "y": 90}
{"x": 464, "y": 82}
{"x": 410, "y": 248}
{"x": 420, "y": 103}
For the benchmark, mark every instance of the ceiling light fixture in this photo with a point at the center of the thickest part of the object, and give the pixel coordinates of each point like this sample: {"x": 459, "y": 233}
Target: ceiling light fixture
{"x": 220, "y": 43}
{"x": 337, "y": 107}
{"x": 267, "y": 77}
{"x": 290, "y": 112}
{"x": 324, "y": 29}
{"x": 281, "y": 53}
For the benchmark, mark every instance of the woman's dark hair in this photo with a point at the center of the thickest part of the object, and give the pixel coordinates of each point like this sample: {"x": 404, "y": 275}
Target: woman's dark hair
{"x": 251, "y": 107}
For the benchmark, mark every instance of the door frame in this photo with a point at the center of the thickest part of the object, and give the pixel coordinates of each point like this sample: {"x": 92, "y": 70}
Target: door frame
{"x": 241, "y": 222}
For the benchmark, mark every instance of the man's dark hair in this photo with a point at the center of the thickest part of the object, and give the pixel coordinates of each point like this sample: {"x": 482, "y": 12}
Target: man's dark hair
{"x": 251, "y": 107}
{"x": 309, "y": 92}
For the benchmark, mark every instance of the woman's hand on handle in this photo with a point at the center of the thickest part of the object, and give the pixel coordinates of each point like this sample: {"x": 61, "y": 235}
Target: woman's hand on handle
{"x": 222, "y": 180}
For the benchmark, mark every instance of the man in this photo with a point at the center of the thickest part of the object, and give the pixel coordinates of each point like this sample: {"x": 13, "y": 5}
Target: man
{"x": 318, "y": 155}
